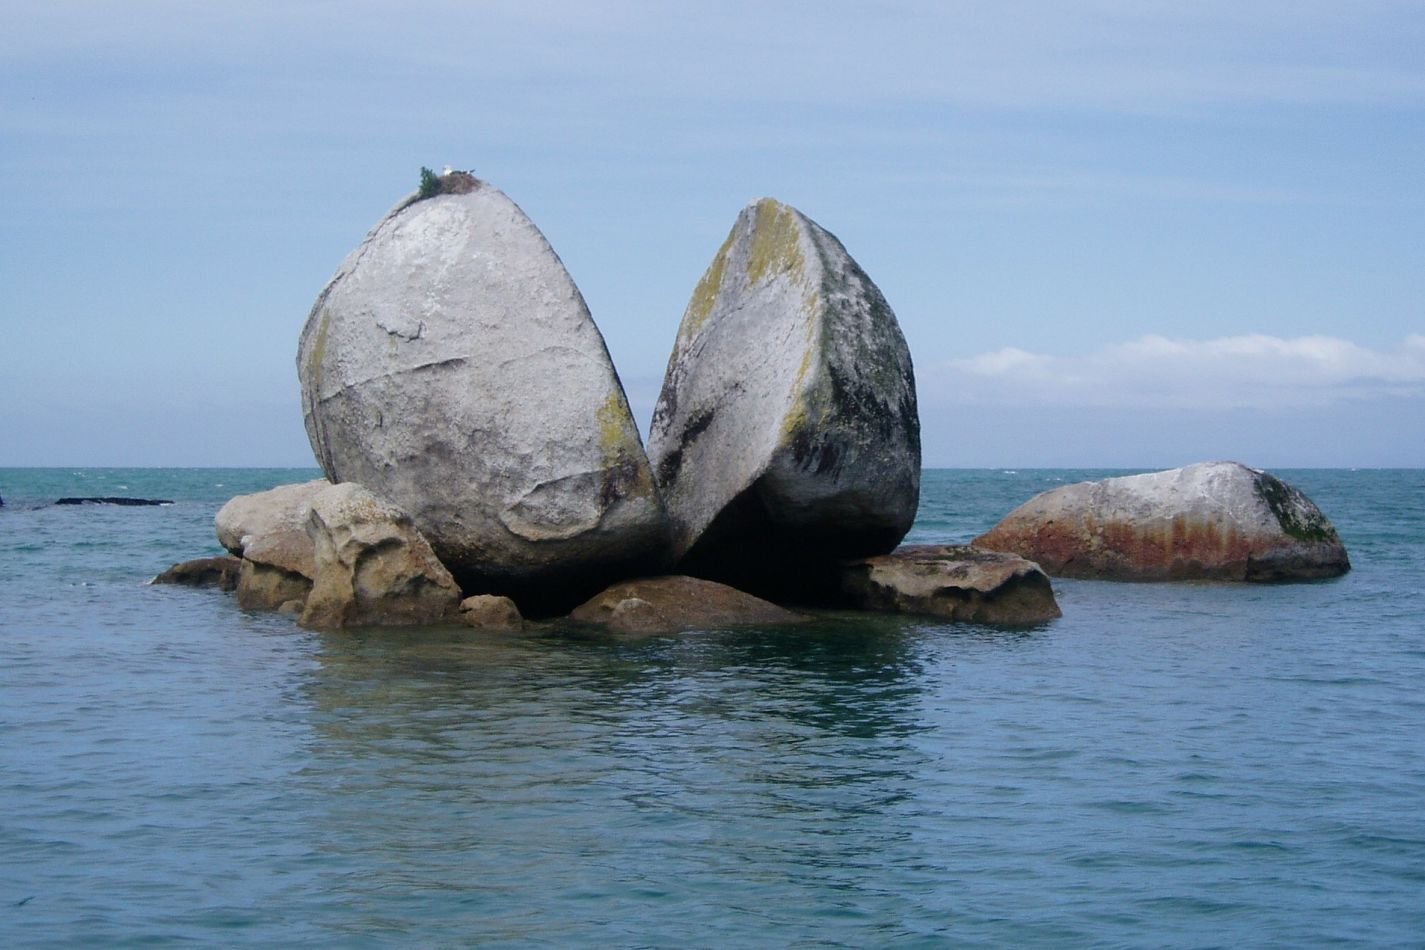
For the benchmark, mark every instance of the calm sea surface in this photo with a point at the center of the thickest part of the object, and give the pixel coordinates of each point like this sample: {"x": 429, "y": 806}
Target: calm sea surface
{"x": 1168, "y": 765}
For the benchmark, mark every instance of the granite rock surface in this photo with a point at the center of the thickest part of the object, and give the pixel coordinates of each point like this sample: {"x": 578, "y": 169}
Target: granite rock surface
{"x": 1208, "y": 521}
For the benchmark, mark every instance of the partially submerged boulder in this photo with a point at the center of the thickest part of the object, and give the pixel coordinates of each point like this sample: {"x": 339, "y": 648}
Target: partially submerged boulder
{"x": 951, "y": 581}
{"x": 675, "y": 603}
{"x": 271, "y": 526}
{"x": 491, "y": 612}
{"x": 372, "y": 565}
{"x": 220, "y": 572}
{"x": 1211, "y": 521}
{"x": 786, "y": 435}
{"x": 451, "y": 366}
{"x": 268, "y": 530}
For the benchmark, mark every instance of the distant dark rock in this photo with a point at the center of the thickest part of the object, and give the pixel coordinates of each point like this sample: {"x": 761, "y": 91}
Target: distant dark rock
{"x": 114, "y": 500}
{"x": 951, "y": 581}
{"x": 1209, "y": 521}
{"x": 220, "y": 572}
{"x": 671, "y": 604}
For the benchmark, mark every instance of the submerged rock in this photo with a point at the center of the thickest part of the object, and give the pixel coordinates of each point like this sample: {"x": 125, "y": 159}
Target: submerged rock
{"x": 451, "y": 366}
{"x": 955, "y": 582}
{"x": 220, "y": 572}
{"x": 1212, "y": 520}
{"x": 786, "y": 435}
{"x": 671, "y": 604}
{"x": 372, "y": 565}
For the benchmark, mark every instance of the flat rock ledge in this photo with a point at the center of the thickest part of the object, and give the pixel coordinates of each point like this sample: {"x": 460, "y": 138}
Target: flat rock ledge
{"x": 672, "y": 604}
{"x": 1209, "y": 521}
{"x": 953, "y": 582}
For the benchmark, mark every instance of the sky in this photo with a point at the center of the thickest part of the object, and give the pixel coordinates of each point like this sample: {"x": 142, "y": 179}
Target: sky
{"x": 1117, "y": 233}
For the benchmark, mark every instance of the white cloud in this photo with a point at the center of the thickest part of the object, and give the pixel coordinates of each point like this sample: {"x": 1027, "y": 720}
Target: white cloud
{"x": 1256, "y": 371}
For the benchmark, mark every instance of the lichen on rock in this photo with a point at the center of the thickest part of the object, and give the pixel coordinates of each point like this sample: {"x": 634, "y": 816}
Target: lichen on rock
{"x": 786, "y": 433}
{"x": 1209, "y": 521}
{"x": 452, "y": 366}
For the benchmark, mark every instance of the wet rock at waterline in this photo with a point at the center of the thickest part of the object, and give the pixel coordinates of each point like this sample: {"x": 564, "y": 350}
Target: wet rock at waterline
{"x": 220, "y": 572}
{"x": 674, "y": 603}
{"x": 492, "y": 613}
{"x": 953, "y": 582}
{"x": 372, "y": 565}
{"x": 452, "y": 366}
{"x": 1211, "y": 521}
{"x": 786, "y": 434}
{"x": 268, "y": 530}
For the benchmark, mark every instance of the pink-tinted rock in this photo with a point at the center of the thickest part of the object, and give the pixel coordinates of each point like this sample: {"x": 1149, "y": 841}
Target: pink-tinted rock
{"x": 1211, "y": 521}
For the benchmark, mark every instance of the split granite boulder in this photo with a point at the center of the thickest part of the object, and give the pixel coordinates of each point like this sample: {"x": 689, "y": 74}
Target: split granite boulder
{"x": 1209, "y": 521}
{"x": 953, "y": 582}
{"x": 452, "y": 366}
{"x": 786, "y": 434}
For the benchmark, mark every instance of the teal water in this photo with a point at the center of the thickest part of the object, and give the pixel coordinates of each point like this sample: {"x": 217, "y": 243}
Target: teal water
{"x": 1167, "y": 765}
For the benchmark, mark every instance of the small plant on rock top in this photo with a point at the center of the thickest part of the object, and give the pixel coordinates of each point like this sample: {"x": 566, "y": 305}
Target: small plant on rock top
{"x": 430, "y": 183}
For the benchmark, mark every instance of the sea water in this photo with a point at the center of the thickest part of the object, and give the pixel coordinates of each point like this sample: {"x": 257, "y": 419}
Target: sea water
{"x": 1166, "y": 765}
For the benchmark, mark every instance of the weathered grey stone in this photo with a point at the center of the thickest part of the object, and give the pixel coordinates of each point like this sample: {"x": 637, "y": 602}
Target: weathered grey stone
{"x": 1212, "y": 520}
{"x": 786, "y": 434}
{"x": 451, "y": 366}
{"x": 671, "y": 604}
{"x": 372, "y": 565}
{"x": 955, "y": 582}
{"x": 220, "y": 572}
{"x": 270, "y": 527}
{"x": 491, "y": 612}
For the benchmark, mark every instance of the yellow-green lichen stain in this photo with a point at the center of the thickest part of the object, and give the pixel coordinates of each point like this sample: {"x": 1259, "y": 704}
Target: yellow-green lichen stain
{"x": 776, "y": 242}
{"x": 796, "y": 417}
{"x": 616, "y": 437}
{"x": 317, "y": 355}
{"x": 705, "y": 294}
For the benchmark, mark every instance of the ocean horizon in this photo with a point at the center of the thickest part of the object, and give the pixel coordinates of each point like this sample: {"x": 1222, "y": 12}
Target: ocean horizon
{"x": 1185, "y": 764}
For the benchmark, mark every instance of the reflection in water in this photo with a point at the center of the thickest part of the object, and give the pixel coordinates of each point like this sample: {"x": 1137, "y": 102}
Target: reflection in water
{"x": 633, "y": 775}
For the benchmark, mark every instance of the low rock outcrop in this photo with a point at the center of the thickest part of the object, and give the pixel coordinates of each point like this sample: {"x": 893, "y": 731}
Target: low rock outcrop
{"x": 671, "y": 604}
{"x": 1211, "y": 521}
{"x": 272, "y": 524}
{"x": 786, "y": 434}
{"x": 954, "y": 582}
{"x": 491, "y": 612}
{"x": 220, "y": 572}
{"x": 372, "y": 565}
{"x": 268, "y": 530}
{"x": 452, "y": 367}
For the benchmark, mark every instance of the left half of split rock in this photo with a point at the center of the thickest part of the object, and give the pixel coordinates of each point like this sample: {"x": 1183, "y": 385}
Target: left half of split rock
{"x": 452, "y": 367}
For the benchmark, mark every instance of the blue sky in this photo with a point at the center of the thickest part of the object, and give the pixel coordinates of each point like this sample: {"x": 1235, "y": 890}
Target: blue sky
{"x": 1115, "y": 233}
